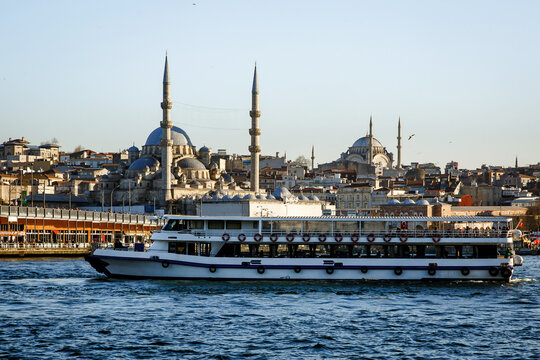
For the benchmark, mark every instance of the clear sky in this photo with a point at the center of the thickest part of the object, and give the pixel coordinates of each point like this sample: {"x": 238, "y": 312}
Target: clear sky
{"x": 463, "y": 75}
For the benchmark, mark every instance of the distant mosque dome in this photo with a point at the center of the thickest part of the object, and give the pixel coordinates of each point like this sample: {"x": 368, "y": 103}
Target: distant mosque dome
{"x": 142, "y": 163}
{"x": 133, "y": 149}
{"x": 178, "y": 136}
{"x": 364, "y": 142}
{"x": 422, "y": 202}
{"x": 204, "y": 149}
{"x": 191, "y": 163}
{"x": 393, "y": 202}
{"x": 408, "y": 202}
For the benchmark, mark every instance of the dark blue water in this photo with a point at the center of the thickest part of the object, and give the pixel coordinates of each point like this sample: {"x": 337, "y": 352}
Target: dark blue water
{"x": 53, "y": 308}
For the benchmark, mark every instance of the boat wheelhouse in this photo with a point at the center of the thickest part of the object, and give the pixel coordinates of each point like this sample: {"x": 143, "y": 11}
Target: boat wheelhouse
{"x": 326, "y": 247}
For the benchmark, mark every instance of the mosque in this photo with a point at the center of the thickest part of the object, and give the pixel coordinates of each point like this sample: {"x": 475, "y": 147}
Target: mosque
{"x": 367, "y": 156}
{"x": 168, "y": 167}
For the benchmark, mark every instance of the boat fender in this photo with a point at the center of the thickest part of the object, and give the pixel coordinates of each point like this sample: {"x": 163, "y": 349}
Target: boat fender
{"x": 330, "y": 270}
{"x": 518, "y": 260}
{"x": 371, "y": 238}
{"x": 273, "y": 237}
{"x": 306, "y": 237}
{"x": 387, "y": 238}
{"x": 436, "y": 238}
{"x": 225, "y": 237}
{"x": 355, "y": 237}
{"x": 403, "y": 237}
{"x": 297, "y": 269}
{"x": 432, "y": 270}
{"x": 212, "y": 268}
{"x": 506, "y": 272}
{"x": 258, "y": 237}
{"x": 165, "y": 264}
{"x": 242, "y": 237}
{"x": 338, "y": 237}
{"x": 290, "y": 237}
{"x": 260, "y": 269}
{"x": 465, "y": 271}
{"x": 493, "y": 271}
{"x": 322, "y": 238}
{"x": 398, "y": 270}
{"x": 364, "y": 269}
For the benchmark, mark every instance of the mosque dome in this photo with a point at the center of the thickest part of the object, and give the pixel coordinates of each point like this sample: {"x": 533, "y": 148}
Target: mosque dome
{"x": 204, "y": 149}
{"x": 408, "y": 202}
{"x": 142, "y": 163}
{"x": 178, "y": 136}
{"x": 422, "y": 202}
{"x": 191, "y": 163}
{"x": 281, "y": 193}
{"x": 133, "y": 149}
{"x": 364, "y": 142}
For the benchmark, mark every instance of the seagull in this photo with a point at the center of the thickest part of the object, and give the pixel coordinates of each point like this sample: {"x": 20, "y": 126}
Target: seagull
{"x": 410, "y": 137}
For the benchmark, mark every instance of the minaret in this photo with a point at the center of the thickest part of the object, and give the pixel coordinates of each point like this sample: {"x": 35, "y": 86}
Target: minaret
{"x": 516, "y": 163}
{"x": 255, "y": 149}
{"x": 399, "y": 143}
{"x": 312, "y": 157}
{"x": 166, "y": 142}
{"x": 370, "y": 140}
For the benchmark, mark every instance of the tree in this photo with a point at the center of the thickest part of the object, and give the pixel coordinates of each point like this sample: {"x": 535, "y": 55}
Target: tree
{"x": 301, "y": 161}
{"x": 78, "y": 148}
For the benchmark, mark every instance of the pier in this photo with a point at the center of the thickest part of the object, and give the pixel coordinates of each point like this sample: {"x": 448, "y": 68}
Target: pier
{"x": 36, "y": 231}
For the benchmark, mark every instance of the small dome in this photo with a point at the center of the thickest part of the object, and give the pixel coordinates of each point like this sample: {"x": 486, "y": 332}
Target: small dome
{"x": 393, "y": 202}
{"x": 408, "y": 202}
{"x": 236, "y": 197}
{"x": 191, "y": 163}
{"x": 364, "y": 142}
{"x": 226, "y": 197}
{"x": 271, "y": 197}
{"x": 195, "y": 182}
{"x": 314, "y": 198}
{"x": 178, "y": 136}
{"x": 261, "y": 197}
{"x": 133, "y": 149}
{"x": 142, "y": 163}
{"x": 422, "y": 202}
{"x": 282, "y": 193}
{"x": 303, "y": 198}
{"x": 204, "y": 149}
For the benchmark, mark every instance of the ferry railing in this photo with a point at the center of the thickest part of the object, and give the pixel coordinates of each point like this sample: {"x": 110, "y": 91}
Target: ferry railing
{"x": 393, "y": 233}
{"x": 15, "y": 245}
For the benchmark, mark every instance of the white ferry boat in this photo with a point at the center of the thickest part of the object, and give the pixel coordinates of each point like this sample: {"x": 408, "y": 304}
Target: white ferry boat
{"x": 325, "y": 248}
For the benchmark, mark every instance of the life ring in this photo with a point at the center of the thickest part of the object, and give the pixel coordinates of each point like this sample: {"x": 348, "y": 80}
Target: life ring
{"x": 432, "y": 270}
{"x": 273, "y": 237}
{"x": 322, "y": 237}
{"x": 355, "y": 237}
{"x": 212, "y": 268}
{"x": 297, "y": 269}
{"x": 338, "y": 237}
{"x": 371, "y": 238}
{"x": 387, "y": 237}
{"x": 225, "y": 237}
{"x": 306, "y": 237}
{"x": 260, "y": 269}
{"x": 290, "y": 237}
{"x": 258, "y": 237}
{"x": 329, "y": 270}
{"x": 493, "y": 271}
{"x": 465, "y": 271}
{"x": 506, "y": 272}
{"x": 398, "y": 270}
{"x": 165, "y": 264}
{"x": 241, "y": 237}
{"x": 436, "y": 238}
{"x": 364, "y": 269}
{"x": 403, "y": 237}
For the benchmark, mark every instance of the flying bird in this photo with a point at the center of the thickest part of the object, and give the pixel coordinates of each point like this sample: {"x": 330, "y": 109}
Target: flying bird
{"x": 410, "y": 137}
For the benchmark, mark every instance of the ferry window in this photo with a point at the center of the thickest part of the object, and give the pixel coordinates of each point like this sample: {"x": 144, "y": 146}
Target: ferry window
{"x": 174, "y": 225}
{"x": 287, "y": 226}
{"x": 216, "y": 224}
{"x": 191, "y": 248}
{"x": 266, "y": 225}
{"x": 347, "y": 226}
{"x": 196, "y": 224}
{"x": 205, "y": 249}
{"x": 177, "y": 247}
{"x": 317, "y": 226}
{"x": 234, "y": 224}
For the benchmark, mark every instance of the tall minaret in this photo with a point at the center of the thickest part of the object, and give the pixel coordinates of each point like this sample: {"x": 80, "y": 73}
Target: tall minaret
{"x": 516, "y": 163}
{"x": 370, "y": 140}
{"x": 399, "y": 143}
{"x": 312, "y": 157}
{"x": 166, "y": 142}
{"x": 255, "y": 149}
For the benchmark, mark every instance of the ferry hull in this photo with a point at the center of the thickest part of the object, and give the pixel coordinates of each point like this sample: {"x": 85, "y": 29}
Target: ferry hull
{"x": 123, "y": 264}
